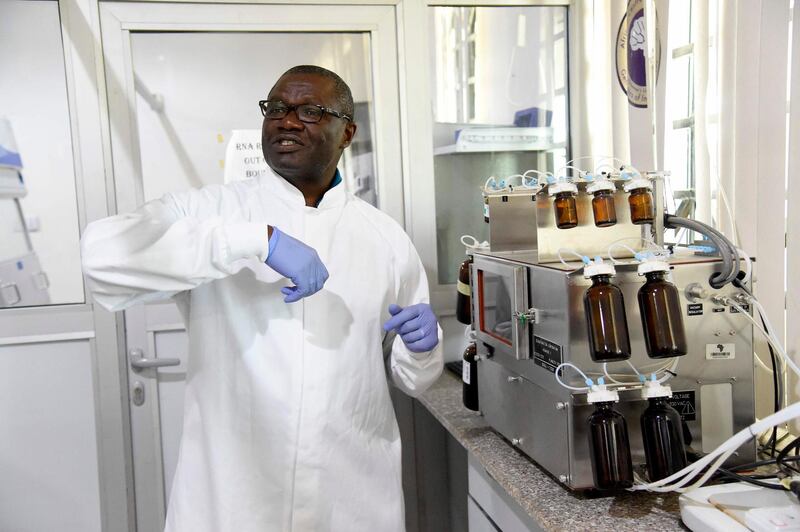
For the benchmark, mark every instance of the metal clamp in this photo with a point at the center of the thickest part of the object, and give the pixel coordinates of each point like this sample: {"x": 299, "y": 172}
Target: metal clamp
{"x": 138, "y": 361}
{"x": 514, "y": 379}
{"x": 527, "y": 317}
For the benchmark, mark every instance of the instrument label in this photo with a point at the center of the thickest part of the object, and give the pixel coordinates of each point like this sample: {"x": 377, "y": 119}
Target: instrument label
{"x": 694, "y": 309}
{"x": 720, "y": 351}
{"x": 684, "y": 403}
{"x": 546, "y": 354}
{"x": 735, "y": 310}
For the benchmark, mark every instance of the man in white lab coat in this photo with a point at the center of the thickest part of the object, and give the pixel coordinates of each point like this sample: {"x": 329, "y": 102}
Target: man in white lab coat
{"x": 288, "y": 423}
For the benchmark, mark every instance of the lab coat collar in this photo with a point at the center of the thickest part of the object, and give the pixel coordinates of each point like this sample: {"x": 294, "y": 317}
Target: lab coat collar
{"x": 335, "y": 196}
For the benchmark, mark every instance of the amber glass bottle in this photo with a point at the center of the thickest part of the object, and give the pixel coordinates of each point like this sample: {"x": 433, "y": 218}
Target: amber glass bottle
{"x": 662, "y": 435}
{"x": 640, "y": 200}
{"x": 566, "y": 210}
{"x": 662, "y": 319}
{"x": 603, "y": 208}
{"x": 609, "y": 448}
{"x": 608, "y": 325}
{"x": 469, "y": 377}
{"x": 464, "y": 294}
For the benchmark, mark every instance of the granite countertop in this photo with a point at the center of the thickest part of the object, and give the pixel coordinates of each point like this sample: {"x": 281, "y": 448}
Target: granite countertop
{"x": 547, "y": 502}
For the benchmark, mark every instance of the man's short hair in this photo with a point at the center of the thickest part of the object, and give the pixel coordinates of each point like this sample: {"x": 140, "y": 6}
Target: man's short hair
{"x": 344, "y": 97}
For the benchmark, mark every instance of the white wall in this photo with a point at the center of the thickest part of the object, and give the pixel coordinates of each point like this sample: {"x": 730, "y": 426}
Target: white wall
{"x": 33, "y": 96}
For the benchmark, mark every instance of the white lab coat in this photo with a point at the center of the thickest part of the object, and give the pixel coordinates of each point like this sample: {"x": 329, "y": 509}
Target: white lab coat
{"x": 288, "y": 423}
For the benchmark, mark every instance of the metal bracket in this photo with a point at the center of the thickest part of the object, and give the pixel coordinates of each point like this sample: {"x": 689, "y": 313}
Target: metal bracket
{"x": 527, "y": 317}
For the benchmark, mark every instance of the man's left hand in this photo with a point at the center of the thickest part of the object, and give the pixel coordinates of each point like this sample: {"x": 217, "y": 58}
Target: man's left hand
{"x": 416, "y": 325}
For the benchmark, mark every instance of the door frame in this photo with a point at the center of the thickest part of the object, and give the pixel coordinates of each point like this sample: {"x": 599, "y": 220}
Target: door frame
{"x": 125, "y": 184}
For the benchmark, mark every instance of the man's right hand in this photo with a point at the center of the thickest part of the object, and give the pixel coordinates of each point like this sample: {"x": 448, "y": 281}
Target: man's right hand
{"x": 299, "y": 263}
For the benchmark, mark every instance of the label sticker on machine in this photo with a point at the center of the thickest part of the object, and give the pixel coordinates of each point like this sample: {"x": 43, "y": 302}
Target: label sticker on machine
{"x": 546, "y": 354}
{"x": 694, "y": 309}
{"x": 718, "y": 309}
{"x": 684, "y": 403}
{"x": 720, "y": 351}
{"x": 735, "y": 310}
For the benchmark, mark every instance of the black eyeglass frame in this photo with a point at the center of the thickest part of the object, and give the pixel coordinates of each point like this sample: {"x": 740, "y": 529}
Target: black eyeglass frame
{"x": 262, "y": 104}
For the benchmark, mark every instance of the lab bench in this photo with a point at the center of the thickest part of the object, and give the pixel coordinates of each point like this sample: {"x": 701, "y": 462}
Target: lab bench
{"x": 510, "y": 492}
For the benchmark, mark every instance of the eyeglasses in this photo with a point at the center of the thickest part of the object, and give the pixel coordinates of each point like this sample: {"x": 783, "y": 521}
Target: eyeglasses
{"x": 307, "y": 112}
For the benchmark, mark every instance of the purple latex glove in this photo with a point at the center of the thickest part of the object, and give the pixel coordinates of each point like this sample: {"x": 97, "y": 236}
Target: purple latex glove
{"x": 416, "y": 325}
{"x": 298, "y": 262}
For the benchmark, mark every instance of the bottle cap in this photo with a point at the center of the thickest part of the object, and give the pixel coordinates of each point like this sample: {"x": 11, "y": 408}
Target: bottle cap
{"x": 562, "y": 186}
{"x": 639, "y": 182}
{"x": 652, "y": 264}
{"x": 653, "y": 389}
{"x": 601, "y": 184}
{"x": 598, "y": 267}
{"x": 600, "y": 394}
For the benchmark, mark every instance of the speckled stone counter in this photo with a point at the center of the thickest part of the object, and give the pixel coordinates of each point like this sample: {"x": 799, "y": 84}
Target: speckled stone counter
{"x": 548, "y": 503}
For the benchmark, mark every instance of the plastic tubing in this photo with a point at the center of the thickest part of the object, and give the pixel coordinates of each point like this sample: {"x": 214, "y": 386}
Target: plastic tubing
{"x": 770, "y": 338}
{"x": 726, "y": 250}
{"x": 586, "y": 379}
{"x": 583, "y": 258}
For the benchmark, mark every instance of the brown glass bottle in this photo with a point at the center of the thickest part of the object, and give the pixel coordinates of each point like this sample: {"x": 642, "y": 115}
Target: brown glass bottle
{"x": 609, "y": 448}
{"x": 640, "y": 201}
{"x": 566, "y": 210}
{"x": 662, "y": 320}
{"x": 469, "y": 377}
{"x": 608, "y": 325}
{"x": 605, "y": 213}
{"x": 662, "y": 435}
{"x": 464, "y": 294}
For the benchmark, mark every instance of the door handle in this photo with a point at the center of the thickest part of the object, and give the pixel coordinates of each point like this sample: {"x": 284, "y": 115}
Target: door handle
{"x": 138, "y": 360}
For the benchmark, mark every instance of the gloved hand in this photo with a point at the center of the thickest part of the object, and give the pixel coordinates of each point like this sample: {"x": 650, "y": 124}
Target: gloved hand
{"x": 416, "y": 325}
{"x": 298, "y": 262}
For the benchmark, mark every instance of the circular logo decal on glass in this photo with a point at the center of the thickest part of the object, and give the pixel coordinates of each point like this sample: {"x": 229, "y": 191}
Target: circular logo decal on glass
{"x": 630, "y": 56}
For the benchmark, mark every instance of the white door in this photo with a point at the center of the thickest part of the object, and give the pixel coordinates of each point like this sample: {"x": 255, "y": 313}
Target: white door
{"x": 180, "y": 78}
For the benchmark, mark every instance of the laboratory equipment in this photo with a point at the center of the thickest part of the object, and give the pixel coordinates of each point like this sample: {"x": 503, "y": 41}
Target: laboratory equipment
{"x": 469, "y": 377}
{"x": 566, "y": 209}
{"x": 464, "y": 294}
{"x": 662, "y": 433}
{"x": 609, "y": 447}
{"x": 529, "y": 317}
{"x": 603, "y": 208}
{"x": 22, "y": 281}
{"x": 605, "y": 314}
{"x": 640, "y": 200}
{"x": 662, "y": 318}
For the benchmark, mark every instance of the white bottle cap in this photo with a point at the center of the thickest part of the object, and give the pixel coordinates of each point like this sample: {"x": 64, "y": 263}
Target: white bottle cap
{"x": 600, "y": 394}
{"x": 639, "y": 182}
{"x": 652, "y": 265}
{"x": 562, "y": 186}
{"x": 653, "y": 389}
{"x": 601, "y": 184}
{"x": 598, "y": 268}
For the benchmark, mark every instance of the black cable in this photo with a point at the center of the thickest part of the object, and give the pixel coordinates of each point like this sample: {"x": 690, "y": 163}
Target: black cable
{"x": 760, "y": 463}
{"x": 776, "y": 384}
{"x": 750, "y": 480}
{"x": 781, "y": 458}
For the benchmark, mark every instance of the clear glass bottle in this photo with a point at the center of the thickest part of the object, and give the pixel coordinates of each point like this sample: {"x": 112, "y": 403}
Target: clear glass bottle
{"x": 609, "y": 446}
{"x": 603, "y": 207}
{"x": 662, "y": 318}
{"x": 662, "y": 433}
{"x": 564, "y": 204}
{"x": 464, "y": 293}
{"x": 605, "y": 315}
{"x": 640, "y": 200}
{"x": 469, "y": 377}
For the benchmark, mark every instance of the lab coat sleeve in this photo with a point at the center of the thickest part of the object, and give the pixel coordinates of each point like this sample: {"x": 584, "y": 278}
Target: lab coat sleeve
{"x": 412, "y": 372}
{"x": 163, "y": 248}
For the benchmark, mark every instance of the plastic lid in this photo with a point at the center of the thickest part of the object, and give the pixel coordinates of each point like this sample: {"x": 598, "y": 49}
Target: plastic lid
{"x": 562, "y": 186}
{"x": 598, "y": 267}
{"x": 653, "y": 265}
{"x": 601, "y": 184}
{"x": 653, "y": 389}
{"x": 639, "y": 182}
{"x": 600, "y": 394}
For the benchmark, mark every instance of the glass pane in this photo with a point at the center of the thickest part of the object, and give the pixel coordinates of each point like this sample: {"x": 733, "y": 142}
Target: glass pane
{"x": 194, "y": 89}
{"x": 12, "y": 234}
{"x": 496, "y": 313}
{"x": 500, "y": 108}
{"x": 33, "y": 99}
